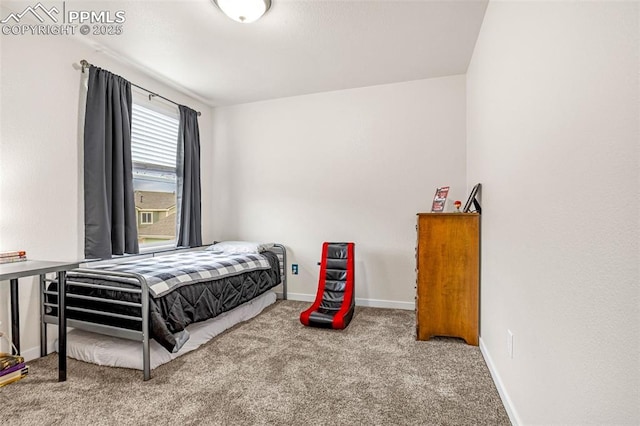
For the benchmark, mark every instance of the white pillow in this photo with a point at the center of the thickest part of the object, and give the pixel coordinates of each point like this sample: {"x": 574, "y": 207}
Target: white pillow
{"x": 239, "y": 247}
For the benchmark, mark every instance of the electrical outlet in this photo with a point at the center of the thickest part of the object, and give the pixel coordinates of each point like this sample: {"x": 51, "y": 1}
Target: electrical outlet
{"x": 510, "y": 343}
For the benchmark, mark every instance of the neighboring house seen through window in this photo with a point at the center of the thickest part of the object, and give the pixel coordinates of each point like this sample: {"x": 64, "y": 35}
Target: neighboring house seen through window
{"x": 154, "y": 140}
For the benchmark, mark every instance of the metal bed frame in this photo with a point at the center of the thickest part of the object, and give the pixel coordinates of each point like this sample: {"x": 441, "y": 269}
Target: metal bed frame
{"x": 109, "y": 330}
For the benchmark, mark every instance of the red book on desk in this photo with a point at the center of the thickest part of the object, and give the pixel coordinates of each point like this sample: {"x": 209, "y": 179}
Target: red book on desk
{"x": 16, "y": 253}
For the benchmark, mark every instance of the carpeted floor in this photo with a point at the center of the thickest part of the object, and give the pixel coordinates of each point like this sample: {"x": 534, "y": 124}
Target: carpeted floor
{"x": 272, "y": 370}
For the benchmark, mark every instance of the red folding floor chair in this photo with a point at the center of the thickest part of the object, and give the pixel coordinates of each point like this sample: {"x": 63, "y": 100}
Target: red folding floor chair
{"x": 335, "y": 299}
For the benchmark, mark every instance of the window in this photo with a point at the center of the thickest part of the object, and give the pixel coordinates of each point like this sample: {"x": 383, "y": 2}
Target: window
{"x": 146, "y": 218}
{"x": 154, "y": 141}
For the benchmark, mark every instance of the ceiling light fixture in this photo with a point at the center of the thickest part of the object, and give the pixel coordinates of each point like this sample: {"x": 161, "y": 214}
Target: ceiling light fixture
{"x": 244, "y": 11}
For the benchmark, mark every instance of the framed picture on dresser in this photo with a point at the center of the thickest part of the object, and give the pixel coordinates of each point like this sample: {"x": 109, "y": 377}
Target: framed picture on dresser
{"x": 440, "y": 199}
{"x": 473, "y": 201}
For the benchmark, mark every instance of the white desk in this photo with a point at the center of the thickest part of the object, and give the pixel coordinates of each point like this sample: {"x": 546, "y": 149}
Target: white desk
{"x": 15, "y": 270}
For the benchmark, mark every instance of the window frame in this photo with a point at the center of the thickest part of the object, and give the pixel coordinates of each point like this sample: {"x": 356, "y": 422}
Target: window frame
{"x": 146, "y": 173}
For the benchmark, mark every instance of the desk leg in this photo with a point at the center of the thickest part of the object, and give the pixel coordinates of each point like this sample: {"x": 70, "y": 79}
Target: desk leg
{"x": 62, "y": 326}
{"x": 15, "y": 315}
{"x": 43, "y": 325}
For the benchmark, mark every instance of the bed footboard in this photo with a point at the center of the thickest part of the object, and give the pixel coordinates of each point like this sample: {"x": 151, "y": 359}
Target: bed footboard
{"x": 141, "y": 335}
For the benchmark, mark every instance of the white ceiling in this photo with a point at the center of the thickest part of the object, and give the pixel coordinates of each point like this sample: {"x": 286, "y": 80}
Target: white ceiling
{"x": 298, "y": 47}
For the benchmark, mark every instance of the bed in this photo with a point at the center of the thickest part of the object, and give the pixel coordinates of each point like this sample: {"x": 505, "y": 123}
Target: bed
{"x": 158, "y": 296}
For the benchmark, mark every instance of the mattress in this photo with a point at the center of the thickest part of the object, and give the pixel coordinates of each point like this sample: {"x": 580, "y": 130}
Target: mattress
{"x": 116, "y": 352}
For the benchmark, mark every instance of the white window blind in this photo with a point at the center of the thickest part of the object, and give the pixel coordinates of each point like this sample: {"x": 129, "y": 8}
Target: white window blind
{"x": 154, "y": 142}
{"x": 154, "y": 137}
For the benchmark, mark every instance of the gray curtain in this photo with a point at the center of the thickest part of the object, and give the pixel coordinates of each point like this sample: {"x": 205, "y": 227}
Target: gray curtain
{"x": 188, "y": 171}
{"x": 109, "y": 209}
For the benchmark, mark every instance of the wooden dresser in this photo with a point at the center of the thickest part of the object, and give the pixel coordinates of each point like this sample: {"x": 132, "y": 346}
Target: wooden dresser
{"x": 448, "y": 275}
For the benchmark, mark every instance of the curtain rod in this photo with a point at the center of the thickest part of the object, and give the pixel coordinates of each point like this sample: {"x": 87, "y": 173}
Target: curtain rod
{"x": 86, "y": 64}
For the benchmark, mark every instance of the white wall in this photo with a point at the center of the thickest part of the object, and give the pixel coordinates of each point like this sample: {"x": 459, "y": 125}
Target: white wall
{"x": 353, "y": 165}
{"x": 553, "y": 131}
{"x": 41, "y": 207}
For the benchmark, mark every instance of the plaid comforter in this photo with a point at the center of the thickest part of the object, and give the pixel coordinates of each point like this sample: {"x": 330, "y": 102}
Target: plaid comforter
{"x": 166, "y": 273}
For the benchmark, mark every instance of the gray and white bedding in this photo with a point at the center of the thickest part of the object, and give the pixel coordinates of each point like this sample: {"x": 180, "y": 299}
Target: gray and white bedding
{"x": 186, "y": 290}
{"x": 166, "y": 273}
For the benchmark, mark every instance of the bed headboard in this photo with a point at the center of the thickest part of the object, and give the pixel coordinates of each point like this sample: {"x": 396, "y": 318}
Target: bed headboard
{"x": 281, "y": 252}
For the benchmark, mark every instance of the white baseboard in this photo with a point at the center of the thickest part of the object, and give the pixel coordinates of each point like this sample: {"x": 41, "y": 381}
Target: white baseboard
{"x": 372, "y": 303}
{"x": 29, "y": 354}
{"x": 506, "y": 401}
{"x": 388, "y": 304}
{"x": 32, "y": 353}
{"x": 301, "y": 297}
